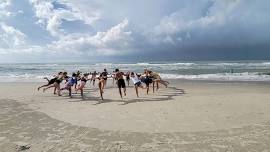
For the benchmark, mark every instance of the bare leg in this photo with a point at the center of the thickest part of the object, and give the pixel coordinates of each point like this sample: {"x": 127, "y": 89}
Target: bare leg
{"x": 136, "y": 89}
{"x": 43, "y": 86}
{"x": 147, "y": 89}
{"x": 153, "y": 86}
{"x": 58, "y": 90}
{"x": 47, "y": 79}
{"x": 81, "y": 86}
{"x": 50, "y": 86}
{"x": 54, "y": 92}
{"x": 69, "y": 92}
{"x": 104, "y": 84}
{"x": 82, "y": 93}
{"x": 162, "y": 82}
{"x": 120, "y": 92}
{"x": 100, "y": 90}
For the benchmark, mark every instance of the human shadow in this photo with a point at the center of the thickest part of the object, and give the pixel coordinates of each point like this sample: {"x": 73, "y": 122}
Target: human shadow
{"x": 165, "y": 95}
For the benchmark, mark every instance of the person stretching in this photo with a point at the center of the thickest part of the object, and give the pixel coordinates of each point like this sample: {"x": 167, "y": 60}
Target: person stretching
{"x": 120, "y": 82}
{"x": 50, "y": 82}
{"x": 70, "y": 82}
{"x": 136, "y": 81}
{"x": 84, "y": 79}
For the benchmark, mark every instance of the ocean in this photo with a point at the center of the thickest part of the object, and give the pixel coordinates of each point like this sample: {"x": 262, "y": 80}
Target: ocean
{"x": 199, "y": 70}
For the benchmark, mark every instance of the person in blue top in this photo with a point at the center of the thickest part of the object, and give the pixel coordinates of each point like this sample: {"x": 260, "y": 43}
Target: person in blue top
{"x": 71, "y": 81}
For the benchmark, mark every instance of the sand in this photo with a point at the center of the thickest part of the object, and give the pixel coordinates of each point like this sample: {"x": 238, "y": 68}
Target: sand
{"x": 187, "y": 116}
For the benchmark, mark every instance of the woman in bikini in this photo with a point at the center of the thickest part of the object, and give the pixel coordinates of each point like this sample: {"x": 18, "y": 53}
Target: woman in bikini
{"x": 83, "y": 79}
{"x": 101, "y": 84}
{"x": 157, "y": 79}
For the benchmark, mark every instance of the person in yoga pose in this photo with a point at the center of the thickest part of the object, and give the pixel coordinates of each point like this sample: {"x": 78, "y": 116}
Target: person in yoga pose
{"x": 51, "y": 81}
{"x": 120, "y": 82}
{"x": 83, "y": 79}
{"x": 57, "y": 83}
{"x": 70, "y": 82}
{"x": 136, "y": 81}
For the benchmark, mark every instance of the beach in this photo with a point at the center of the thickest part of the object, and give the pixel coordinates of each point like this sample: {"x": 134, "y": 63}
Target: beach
{"x": 186, "y": 116}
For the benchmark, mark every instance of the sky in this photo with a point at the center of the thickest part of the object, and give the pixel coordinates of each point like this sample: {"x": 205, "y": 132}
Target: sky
{"x": 128, "y": 30}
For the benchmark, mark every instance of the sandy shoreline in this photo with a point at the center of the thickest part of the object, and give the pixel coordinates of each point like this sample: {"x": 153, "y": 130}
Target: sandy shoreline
{"x": 205, "y": 110}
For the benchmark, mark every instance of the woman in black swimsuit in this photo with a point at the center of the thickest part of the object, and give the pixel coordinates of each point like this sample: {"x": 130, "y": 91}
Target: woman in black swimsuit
{"x": 57, "y": 82}
{"x": 50, "y": 82}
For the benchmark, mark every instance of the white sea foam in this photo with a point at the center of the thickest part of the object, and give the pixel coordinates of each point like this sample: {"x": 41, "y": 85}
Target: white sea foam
{"x": 221, "y": 77}
{"x": 216, "y": 77}
{"x": 242, "y": 71}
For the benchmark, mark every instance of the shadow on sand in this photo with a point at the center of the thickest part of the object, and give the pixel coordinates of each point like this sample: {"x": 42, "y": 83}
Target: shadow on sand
{"x": 164, "y": 95}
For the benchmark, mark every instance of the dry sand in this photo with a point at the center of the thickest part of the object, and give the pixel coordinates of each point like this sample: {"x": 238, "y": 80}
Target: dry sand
{"x": 187, "y": 116}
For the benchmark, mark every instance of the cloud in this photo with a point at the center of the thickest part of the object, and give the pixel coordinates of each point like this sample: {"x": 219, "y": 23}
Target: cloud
{"x": 97, "y": 28}
{"x": 52, "y": 18}
{"x": 4, "y": 5}
{"x": 10, "y": 37}
{"x": 214, "y": 21}
{"x": 114, "y": 41}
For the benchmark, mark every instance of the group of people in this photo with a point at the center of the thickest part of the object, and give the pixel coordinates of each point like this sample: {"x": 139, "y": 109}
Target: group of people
{"x": 139, "y": 80}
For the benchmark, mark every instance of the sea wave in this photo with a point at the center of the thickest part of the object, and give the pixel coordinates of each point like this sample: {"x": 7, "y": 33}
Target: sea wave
{"x": 224, "y": 71}
{"x": 221, "y": 77}
{"x": 246, "y": 76}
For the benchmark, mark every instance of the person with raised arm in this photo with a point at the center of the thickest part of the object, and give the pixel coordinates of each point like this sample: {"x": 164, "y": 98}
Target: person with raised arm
{"x": 71, "y": 81}
{"x": 136, "y": 81}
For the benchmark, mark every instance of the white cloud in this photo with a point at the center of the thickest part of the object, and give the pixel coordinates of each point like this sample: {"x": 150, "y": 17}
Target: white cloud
{"x": 186, "y": 20}
{"x": 4, "y": 4}
{"x": 114, "y": 41}
{"x": 10, "y": 37}
{"x": 13, "y": 43}
{"x": 52, "y": 18}
{"x": 96, "y": 27}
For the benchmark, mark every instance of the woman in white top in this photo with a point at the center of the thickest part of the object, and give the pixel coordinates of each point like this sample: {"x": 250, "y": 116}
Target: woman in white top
{"x": 137, "y": 82}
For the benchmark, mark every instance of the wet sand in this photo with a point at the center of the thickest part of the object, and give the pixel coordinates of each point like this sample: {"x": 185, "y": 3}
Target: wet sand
{"x": 187, "y": 116}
